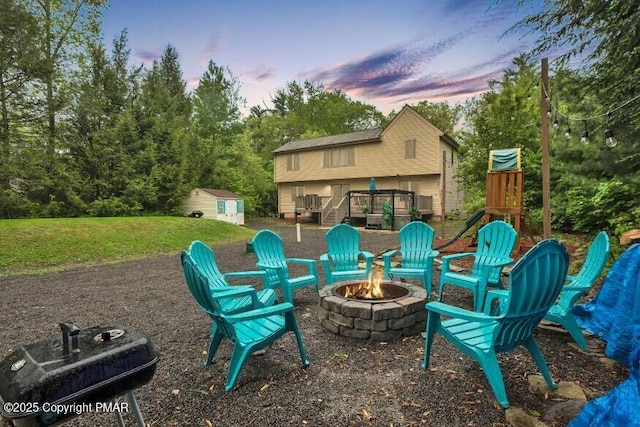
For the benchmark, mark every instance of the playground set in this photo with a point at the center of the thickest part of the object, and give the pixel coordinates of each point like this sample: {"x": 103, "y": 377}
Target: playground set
{"x": 503, "y": 199}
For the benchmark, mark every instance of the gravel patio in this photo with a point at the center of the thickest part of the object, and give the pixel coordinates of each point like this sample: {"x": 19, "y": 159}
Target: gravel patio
{"x": 350, "y": 382}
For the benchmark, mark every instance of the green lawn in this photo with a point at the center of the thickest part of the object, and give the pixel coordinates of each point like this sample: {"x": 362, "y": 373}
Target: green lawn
{"x": 33, "y": 246}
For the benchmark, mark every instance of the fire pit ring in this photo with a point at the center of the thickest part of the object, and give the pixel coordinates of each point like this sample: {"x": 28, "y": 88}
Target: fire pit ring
{"x": 392, "y": 291}
{"x": 378, "y": 320}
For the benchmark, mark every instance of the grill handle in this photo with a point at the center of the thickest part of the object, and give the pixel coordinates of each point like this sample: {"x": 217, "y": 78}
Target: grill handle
{"x": 70, "y": 330}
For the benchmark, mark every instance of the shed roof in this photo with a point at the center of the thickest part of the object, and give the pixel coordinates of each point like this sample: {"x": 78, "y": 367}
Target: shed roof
{"x": 223, "y": 194}
{"x": 369, "y": 135}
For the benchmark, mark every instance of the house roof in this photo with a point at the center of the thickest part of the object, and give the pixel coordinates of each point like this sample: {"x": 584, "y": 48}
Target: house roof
{"x": 369, "y": 135}
{"x": 223, "y": 194}
{"x": 444, "y": 137}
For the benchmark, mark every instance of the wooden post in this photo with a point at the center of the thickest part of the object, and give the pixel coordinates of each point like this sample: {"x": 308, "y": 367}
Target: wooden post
{"x": 546, "y": 174}
{"x": 443, "y": 196}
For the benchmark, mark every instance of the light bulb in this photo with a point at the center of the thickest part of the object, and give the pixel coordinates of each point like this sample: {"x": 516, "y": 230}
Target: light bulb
{"x": 585, "y": 137}
{"x": 610, "y": 138}
{"x": 556, "y": 124}
{"x": 567, "y": 133}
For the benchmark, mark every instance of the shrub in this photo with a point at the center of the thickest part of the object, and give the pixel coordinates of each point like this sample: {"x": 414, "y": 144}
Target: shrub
{"x": 112, "y": 206}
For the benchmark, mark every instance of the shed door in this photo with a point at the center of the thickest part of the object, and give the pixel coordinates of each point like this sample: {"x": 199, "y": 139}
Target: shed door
{"x": 230, "y": 211}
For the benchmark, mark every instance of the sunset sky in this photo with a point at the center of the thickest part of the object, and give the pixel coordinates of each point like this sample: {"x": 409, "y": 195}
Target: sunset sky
{"x": 377, "y": 51}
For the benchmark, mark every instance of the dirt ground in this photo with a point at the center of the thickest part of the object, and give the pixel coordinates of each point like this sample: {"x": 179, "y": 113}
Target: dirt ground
{"x": 350, "y": 382}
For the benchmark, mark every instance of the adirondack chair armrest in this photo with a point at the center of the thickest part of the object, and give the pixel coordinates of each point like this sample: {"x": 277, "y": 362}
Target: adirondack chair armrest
{"x": 390, "y": 254}
{"x": 302, "y": 261}
{"x": 457, "y": 312}
{"x": 231, "y": 288}
{"x": 446, "y": 260}
{"x": 485, "y": 270}
{"x": 368, "y": 259}
{"x": 238, "y": 291}
{"x": 311, "y": 263}
{"x": 367, "y": 255}
{"x": 262, "y": 275}
{"x": 260, "y": 313}
{"x": 434, "y": 254}
{"x": 458, "y": 256}
{"x": 582, "y": 288}
{"x": 280, "y": 271}
{"x": 500, "y": 295}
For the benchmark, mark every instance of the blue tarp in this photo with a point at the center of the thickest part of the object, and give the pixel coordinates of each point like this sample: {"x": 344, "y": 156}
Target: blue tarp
{"x": 614, "y": 313}
{"x": 614, "y": 316}
{"x": 620, "y": 407}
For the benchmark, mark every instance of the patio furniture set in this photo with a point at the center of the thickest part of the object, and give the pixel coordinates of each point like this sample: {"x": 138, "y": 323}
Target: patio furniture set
{"x": 502, "y": 319}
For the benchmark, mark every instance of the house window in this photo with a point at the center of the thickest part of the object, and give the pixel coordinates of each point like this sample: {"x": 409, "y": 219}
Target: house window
{"x": 297, "y": 191}
{"x": 239, "y": 206}
{"x": 293, "y": 162}
{"x": 410, "y": 149}
{"x": 220, "y": 207}
{"x": 339, "y": 157}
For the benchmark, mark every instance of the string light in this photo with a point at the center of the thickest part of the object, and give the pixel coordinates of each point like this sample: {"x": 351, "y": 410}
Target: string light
{"x": 609, "y": 138}
{"x": 556, "y": 123}
{"x": 585, "y": 135}
{"x": 567, "y": 133}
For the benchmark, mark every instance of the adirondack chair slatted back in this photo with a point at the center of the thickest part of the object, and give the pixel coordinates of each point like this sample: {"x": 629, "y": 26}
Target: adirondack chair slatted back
{"x": 496, "y": 240}
{"x": 269, "y": 250}
{"x": 416, "y": 239}
{"x": 589, "y": 273}
{"x": 205, "y": 259}
{"x": 199, "y": 287}
{"x": 534, "y": 284}
{"x": 343, "y": 242}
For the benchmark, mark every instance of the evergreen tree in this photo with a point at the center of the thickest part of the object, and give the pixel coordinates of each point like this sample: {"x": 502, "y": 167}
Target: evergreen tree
{"x": 165, "y": 125}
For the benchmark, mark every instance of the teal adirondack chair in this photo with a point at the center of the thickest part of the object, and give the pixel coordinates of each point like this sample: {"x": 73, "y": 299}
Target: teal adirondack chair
{"x": 269, "y": 251}
{"x": 205, "y": 259}
{"x": 341, "y": 261}
{"x": 496, "y": 241}
{"x": 534, "y": 283}
{"x": 578, "y": 285}
{"x": 249, "y": 331}
{"x": 416, "y": 239}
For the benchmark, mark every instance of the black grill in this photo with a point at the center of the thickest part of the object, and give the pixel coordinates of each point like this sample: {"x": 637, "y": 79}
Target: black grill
{"x": 76, "y": 371}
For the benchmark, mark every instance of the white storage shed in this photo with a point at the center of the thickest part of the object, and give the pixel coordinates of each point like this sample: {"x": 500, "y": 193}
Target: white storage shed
{"x": 217, "y": 204}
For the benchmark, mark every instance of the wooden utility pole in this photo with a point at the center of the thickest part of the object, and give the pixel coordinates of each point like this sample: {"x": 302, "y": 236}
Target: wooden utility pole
{"x": 546, "y": 173}
{"x": 443, "y": 196}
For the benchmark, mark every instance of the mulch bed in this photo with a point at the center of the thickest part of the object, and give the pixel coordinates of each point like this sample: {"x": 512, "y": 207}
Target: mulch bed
{"x": 350, "y": 382}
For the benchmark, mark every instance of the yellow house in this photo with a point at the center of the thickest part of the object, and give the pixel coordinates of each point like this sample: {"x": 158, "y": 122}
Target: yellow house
{"x": 329, "y": 177}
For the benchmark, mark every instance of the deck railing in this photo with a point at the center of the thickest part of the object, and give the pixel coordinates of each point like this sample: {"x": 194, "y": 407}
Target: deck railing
{"x": 311, "y": 202}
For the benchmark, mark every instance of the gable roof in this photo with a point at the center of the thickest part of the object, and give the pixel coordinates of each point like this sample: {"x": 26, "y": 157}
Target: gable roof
{"x": 407, "y": 109}
{"x": 369, "y": 135}
{"x": 222, "y": 194}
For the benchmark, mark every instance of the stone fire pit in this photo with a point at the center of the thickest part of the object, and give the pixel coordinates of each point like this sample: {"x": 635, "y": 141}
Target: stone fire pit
{"x": 379, "y": 320}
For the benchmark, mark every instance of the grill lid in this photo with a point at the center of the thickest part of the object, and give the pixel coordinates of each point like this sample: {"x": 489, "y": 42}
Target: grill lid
{"x": 100, "y": 363}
